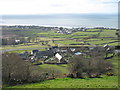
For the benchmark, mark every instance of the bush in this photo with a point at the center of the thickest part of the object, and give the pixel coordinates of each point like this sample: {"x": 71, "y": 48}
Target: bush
{"x": 81, "y": 67}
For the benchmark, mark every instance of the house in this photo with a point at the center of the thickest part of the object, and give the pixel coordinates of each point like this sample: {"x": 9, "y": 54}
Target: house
{"x": 78, "y": 53}
{"x": 72, "y": 49}
{"x": 106, "y": 46}
{"x": 63, "y": 51}
{"x": 34, "y": 52}
{"x": 58, "y": 56}
{"x": 54, "y": 49}
{"x": 17, "y": 41}
{"x": 43, "y": 54}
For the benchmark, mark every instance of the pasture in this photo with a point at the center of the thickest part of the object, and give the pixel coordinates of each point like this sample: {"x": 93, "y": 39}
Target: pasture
{"x": 91, "y": 36}
{"x": 104, "y": 82}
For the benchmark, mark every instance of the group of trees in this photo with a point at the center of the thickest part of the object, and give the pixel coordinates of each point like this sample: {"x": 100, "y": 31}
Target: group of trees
{"x": 92, "y": 64}
{"x": 80, "y": 67}
{"x": 22, "y": 40}
{"x": 11, "y": 41}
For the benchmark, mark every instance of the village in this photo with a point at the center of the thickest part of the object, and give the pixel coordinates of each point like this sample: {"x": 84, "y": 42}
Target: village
{"x": 55, "y": 53}
{"x": 61, "y": 55}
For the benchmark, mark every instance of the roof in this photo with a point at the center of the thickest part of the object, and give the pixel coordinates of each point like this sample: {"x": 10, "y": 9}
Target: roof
{"x": 44, "y": 53}
{"x": 78, "y": 53}
{"x": 58, "y": 56}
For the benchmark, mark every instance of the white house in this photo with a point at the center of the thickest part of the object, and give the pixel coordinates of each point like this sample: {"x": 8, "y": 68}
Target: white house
{"x": 58, "y": 56}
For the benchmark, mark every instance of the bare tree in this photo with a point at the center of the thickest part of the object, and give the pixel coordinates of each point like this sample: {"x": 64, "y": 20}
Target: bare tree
{"x": 79, "y": 66}
{"x": 15, "y": 70}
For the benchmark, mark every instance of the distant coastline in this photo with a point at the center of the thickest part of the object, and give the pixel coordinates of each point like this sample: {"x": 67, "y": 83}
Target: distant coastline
{"x": 53, "y": 26}
{"x": 63, "y": 20}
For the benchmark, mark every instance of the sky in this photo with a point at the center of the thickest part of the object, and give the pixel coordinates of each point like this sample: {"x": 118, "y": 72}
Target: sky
{"x": 19, "y": 7}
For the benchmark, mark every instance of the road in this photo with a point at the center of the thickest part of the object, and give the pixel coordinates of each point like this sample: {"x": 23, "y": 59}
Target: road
{"x": 6, "y": 50}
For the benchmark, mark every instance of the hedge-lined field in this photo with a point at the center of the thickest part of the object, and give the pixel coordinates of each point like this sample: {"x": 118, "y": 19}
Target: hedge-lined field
{"x": 91, "y": 36}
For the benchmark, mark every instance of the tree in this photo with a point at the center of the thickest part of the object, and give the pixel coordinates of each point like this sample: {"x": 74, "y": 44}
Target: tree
{"x": 61, "y": 28}
{"x": 4, "y": 41}
{"x": 28, "y": 39}
{"x": 15, "y": 70}
{"x": 79, "y": 66}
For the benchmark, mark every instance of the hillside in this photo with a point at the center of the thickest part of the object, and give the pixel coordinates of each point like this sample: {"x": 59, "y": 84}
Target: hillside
{"x": 103, "y": 82}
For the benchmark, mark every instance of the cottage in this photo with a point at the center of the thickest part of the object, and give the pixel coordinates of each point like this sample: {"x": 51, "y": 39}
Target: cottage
{"x": 78, "y": 53}
{"x": 106, "y": 46}
{"x": 72, "y": 49}
{"x": 34, "y": 52}
{"x": 59, "y": 57}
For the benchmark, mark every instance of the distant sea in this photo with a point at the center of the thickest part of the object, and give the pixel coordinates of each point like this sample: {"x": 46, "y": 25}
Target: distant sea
{"x": 63, "y": 20}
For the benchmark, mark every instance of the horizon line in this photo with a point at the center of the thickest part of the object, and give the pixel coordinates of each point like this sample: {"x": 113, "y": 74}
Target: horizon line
{"x": 59, "y": 14}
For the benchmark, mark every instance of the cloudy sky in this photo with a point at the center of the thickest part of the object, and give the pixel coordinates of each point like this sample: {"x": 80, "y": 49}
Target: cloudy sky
{"x": 57, "y": 6}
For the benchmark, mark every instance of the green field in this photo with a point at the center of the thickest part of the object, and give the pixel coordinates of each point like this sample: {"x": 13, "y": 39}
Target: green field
{"x": 22, "y": 51}
{"x": 23, "y": 47}
{"x": 105, "y": 82}
{"x": 91, "y": 36}
{"x": 61, "y": 69}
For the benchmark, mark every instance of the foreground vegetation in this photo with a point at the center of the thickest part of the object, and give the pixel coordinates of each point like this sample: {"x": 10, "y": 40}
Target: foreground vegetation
{"x": 104, "y": 82}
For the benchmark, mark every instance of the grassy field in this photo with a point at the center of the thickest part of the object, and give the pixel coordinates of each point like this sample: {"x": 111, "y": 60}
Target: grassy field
{"x": 62, "y": 69}
{"x": 22, "y": 51}
{"x": 105, "y": 82}
{"x": 115, "y": 61}
{"x": 67, "y": 42}
{"x": 106, "y": 36}
{"x": 23, "y": 47}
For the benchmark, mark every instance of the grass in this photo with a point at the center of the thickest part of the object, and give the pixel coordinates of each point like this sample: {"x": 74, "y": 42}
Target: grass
{"x": 93, "y": 30}
{"x": 62, "y": 39}
{"x": 52, "y": 35}
{"x": 115, "y": 61}
{"x": 23, "y": 47}
{"x": 67, "y": 42}
{"x": 108, "y": 33}
{"x": 105, "y": 82}
{"x": 85, "y": 33}
{"x": 114, "y": 44}
{"x": 60, "y": 68}
{"x": 101, "y": 41}
{"x": 22, "y": 51}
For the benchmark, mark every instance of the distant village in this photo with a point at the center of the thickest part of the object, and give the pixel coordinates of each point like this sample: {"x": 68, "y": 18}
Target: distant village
{"x": 61, "y": 55}
{"x": 56, "y": 54}
{"x": 61, "y": 30}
